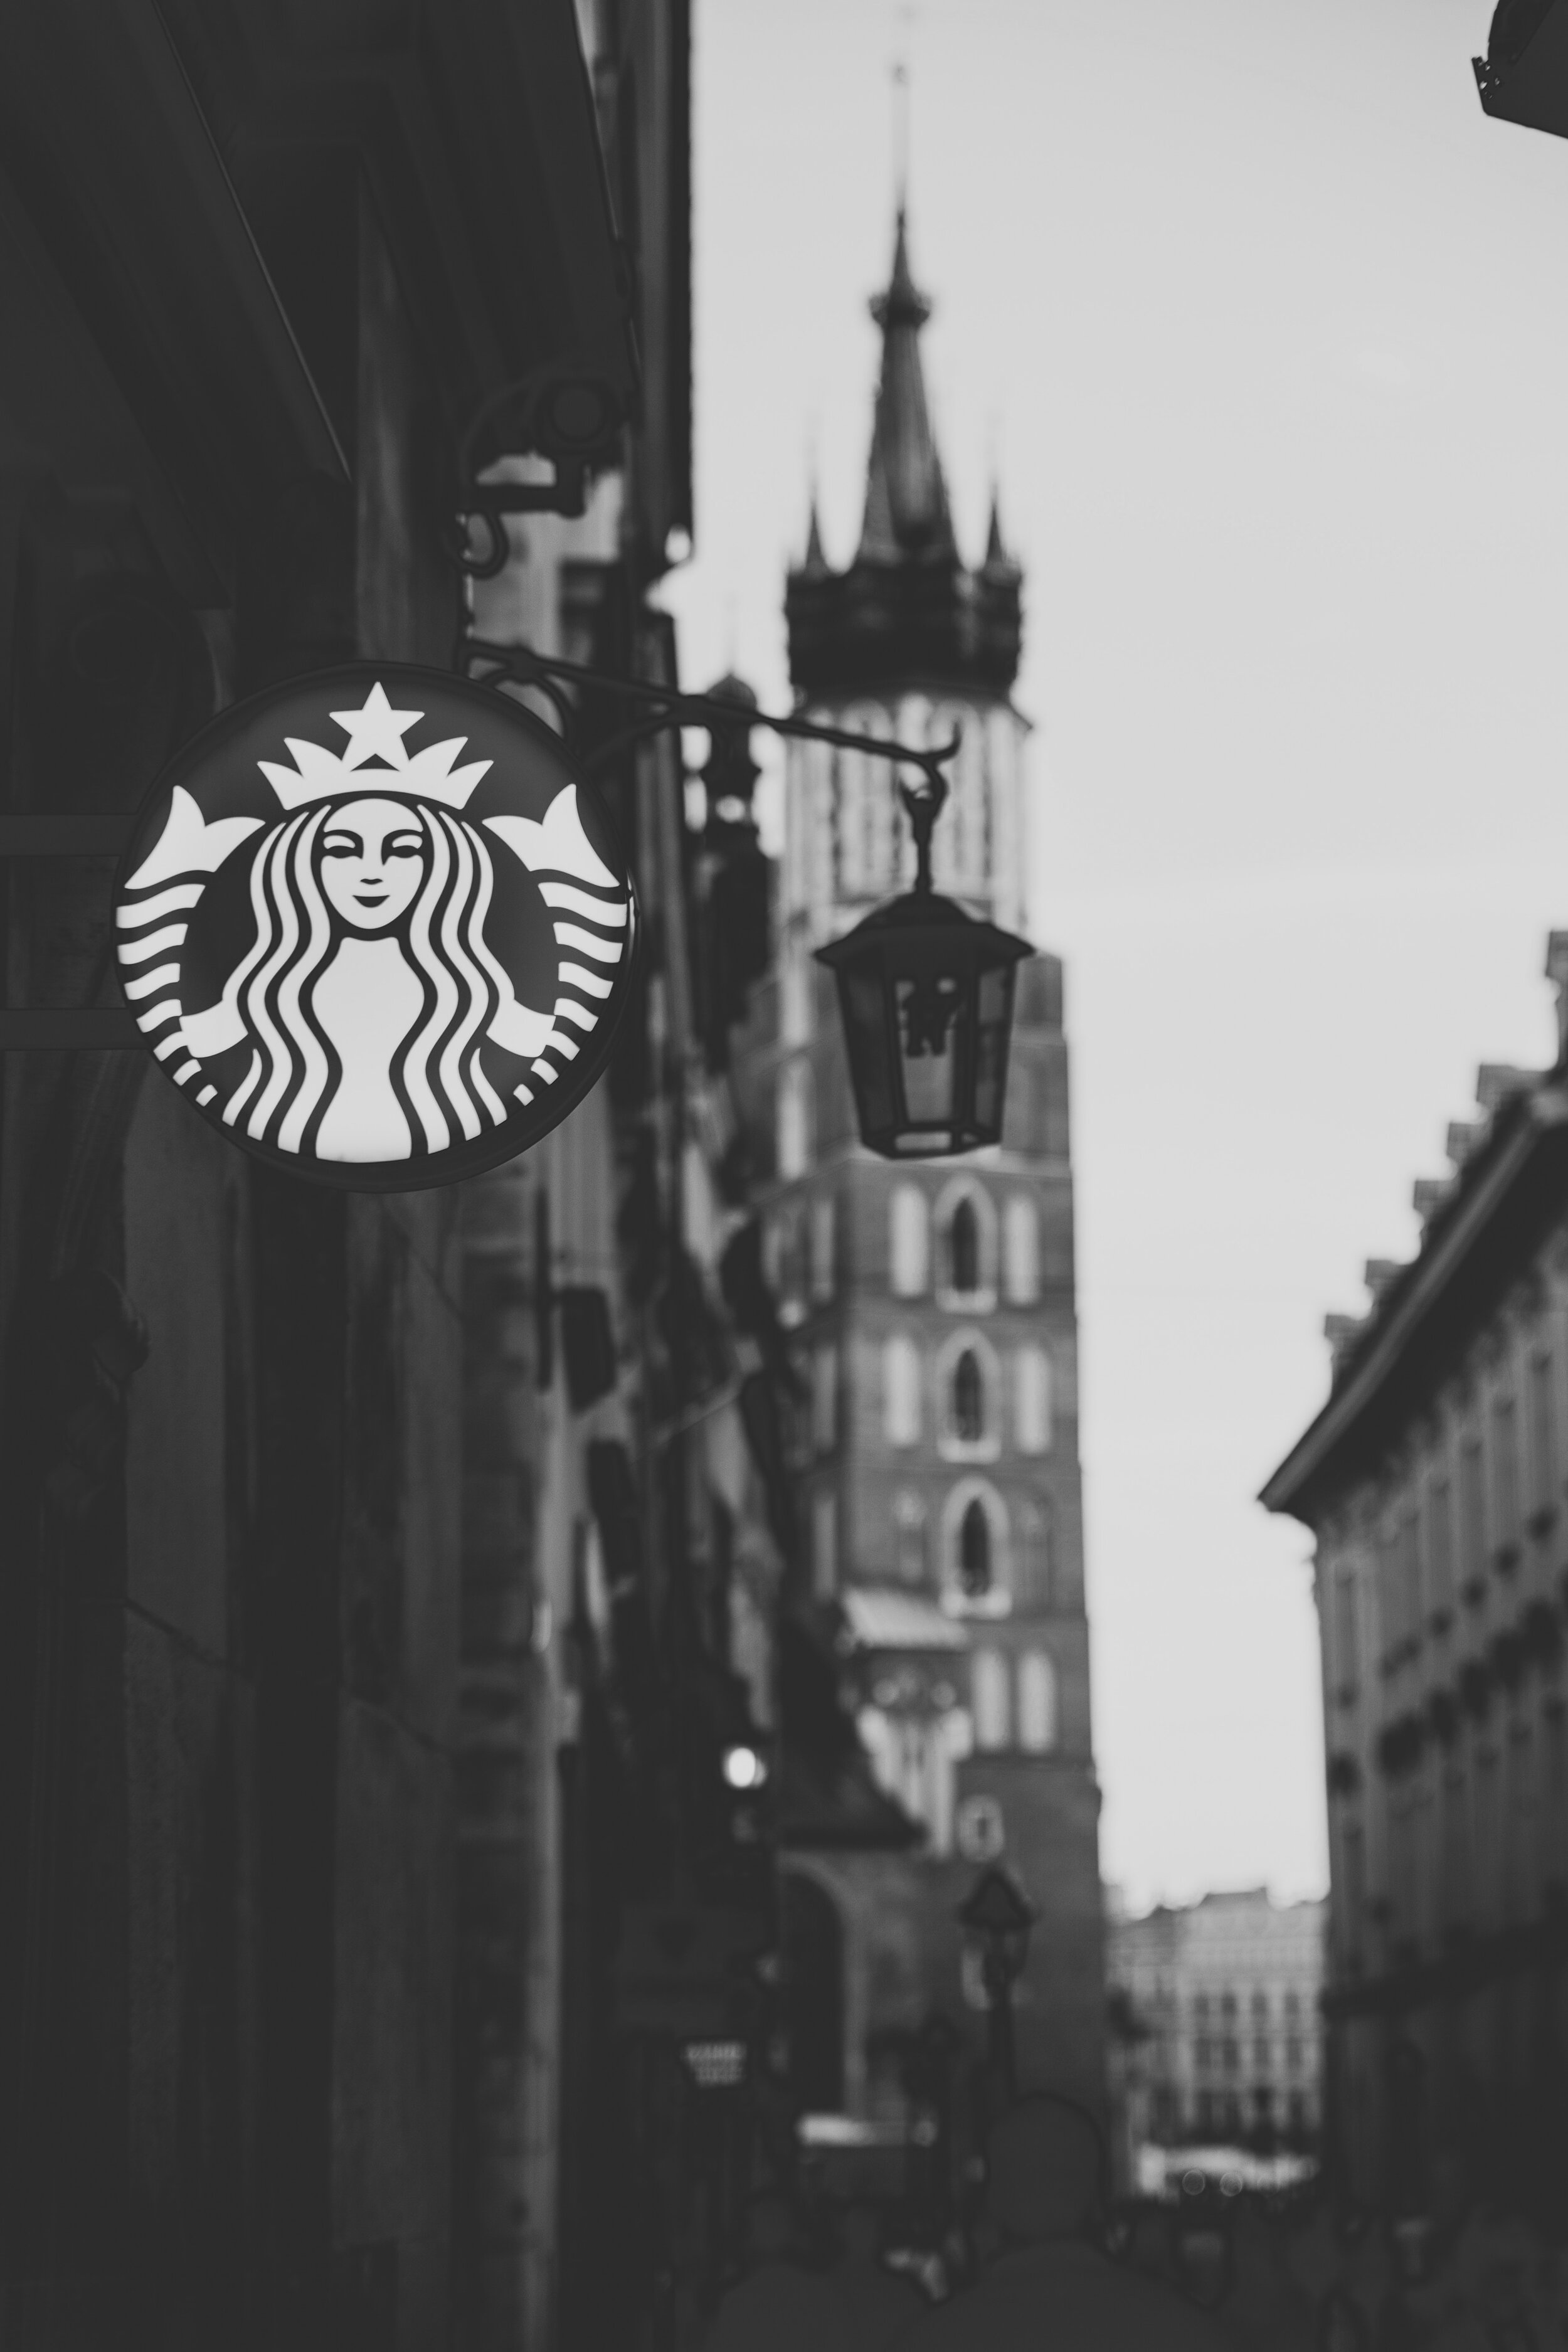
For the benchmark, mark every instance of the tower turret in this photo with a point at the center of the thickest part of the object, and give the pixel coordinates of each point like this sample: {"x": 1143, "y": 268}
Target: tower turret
{"x": 906, "y": 606}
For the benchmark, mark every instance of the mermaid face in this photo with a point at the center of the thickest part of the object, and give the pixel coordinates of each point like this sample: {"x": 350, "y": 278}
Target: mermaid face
{"x": 373, "y": 862}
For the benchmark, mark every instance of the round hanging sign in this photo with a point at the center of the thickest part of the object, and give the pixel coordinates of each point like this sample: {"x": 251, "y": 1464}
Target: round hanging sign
{"x": 376, "y": 929}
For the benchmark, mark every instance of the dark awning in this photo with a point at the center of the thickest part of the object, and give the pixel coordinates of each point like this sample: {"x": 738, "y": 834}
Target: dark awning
{"x": 144, "y": 320}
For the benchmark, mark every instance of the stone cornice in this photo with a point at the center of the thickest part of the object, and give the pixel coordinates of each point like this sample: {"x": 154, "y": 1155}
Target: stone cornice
{"x": 1425, "y": 1320}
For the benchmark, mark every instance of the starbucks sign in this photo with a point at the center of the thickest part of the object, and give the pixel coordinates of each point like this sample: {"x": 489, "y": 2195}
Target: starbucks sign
{"x": 376, "y": 929}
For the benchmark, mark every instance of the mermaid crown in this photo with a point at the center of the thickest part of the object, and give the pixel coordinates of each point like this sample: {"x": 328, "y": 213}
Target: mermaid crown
{"x": 375, "y": 731}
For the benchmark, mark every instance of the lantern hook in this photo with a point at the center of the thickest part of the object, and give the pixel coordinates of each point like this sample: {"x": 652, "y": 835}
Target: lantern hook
{"x": 924, "y": 804}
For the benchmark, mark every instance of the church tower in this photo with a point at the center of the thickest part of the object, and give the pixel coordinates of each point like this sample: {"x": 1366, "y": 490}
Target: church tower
{"x": 934, "y": 1303}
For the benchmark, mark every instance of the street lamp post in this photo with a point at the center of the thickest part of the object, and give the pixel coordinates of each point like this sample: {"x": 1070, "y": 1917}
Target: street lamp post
{"x": 936, "y": 2045}
{"x": 997, "y": 1918}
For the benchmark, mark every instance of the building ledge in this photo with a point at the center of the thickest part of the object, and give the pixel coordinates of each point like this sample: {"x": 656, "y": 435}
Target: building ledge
{"x": 882, "y": 1619}
{"x": 1505, "y": 1198}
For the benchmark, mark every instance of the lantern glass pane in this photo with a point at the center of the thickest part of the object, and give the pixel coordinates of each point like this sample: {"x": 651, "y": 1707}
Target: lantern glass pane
{"x": 866, "y": 1032}
{"x": 930, "y": 1015}
{"x": 993, "y": 1025}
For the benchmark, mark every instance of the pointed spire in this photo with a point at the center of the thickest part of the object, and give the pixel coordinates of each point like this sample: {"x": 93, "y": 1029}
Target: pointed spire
{"x": 907, "y": 512}
{"x": 998, "y": 563}
{"x": 815, "y": 563}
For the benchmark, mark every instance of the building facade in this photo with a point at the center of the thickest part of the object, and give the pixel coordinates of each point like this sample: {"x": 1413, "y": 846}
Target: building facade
{"x": 930, "y": 1306}
{"x": 366, "y": 1666}
{"x": 1214, "y": 2008}
{"x": 1433, "y": 1482}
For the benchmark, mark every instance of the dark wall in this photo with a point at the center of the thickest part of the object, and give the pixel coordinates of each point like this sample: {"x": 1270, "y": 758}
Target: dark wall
{"x": 229, "y": 1465}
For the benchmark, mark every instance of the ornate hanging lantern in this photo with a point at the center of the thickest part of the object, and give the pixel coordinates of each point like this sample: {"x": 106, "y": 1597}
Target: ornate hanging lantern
{"x": 926, "y": 996}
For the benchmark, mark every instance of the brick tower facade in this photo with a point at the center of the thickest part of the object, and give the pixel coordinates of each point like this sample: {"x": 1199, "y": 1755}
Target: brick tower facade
{"x": 934, "y": 1302}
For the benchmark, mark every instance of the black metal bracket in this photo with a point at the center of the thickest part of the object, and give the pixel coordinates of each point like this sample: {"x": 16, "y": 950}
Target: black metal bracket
{"x": 487, "y": 502}
{"x": 669, "y": 708}
{"x": 89, "y": 1028}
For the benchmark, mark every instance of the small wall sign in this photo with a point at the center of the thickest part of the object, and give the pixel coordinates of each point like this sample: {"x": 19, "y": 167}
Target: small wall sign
{"x": 376, "y": 929}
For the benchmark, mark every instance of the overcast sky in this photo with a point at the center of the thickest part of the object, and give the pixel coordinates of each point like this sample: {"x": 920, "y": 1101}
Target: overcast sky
{"x": 1267, "y": 328}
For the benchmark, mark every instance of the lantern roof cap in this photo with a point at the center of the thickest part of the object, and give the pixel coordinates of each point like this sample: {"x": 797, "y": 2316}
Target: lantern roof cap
{"x": 997, "y": 1904}
{"x": 927, "y": 910}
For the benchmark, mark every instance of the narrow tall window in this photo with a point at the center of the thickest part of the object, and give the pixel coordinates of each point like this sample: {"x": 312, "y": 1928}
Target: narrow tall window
{"x": 1032, "y": 1400}
{"x": 1347, "y": 1664}
{"x": 795, "y": 1000}
{"x": 1473, "y": 1512}
{"x": 907, "y": 1238}
{"x": 963, "y": 1250}
{"x": 789, "y": 1262}
{"x": 794, "y": 1120}
{"x": 910, "y": 1536}
{"x": 1408, "y": 1555}
{"x": 825, "y": 1398}
{"x": 1505, "y": 1465}
{"x": 1542, "y": 1437}
{"x": 1353, "y": 1850}
{"x": 988, "y": 1669}
{"x": 1440, "y": 1544}
{"x": 1021, "y": 1250}
{"x": 1035, "y": 1542}
{"x": 1387, "y": 1581}
{"x": 822, "y": 1237}
{"x": 968, "y": 1405}
{"x": 825, "y": 1542}
{"x": 901, "y": 1391}
{"x": 974, "y": 1551}
{"x": 1036, "y": 1702}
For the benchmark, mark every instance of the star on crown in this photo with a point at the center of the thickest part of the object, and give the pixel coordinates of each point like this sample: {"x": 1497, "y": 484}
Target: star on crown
{"x": 375, "y": 731}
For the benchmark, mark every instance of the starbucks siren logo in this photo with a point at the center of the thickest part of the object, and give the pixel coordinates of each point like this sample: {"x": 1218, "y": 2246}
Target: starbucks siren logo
{"x": 384, "y": 965}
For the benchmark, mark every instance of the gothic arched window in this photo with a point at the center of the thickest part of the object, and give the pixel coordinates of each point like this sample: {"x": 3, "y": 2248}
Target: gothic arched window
{"x": 969, "y": 1399}
{"x": 968, "y": 1407}
{"x": 966, "y": 1238}
{"x": 974, "y": 1551}
{"x": 963, "y": 1251}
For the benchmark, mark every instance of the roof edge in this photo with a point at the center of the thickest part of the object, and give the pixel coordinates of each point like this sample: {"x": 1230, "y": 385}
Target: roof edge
{"x": 1399, "y": 1317}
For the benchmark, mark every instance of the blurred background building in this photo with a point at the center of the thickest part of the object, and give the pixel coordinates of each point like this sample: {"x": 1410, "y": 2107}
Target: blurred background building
{"x": 1434, "y": 1482}
{"x": 1214, "y": 2030}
